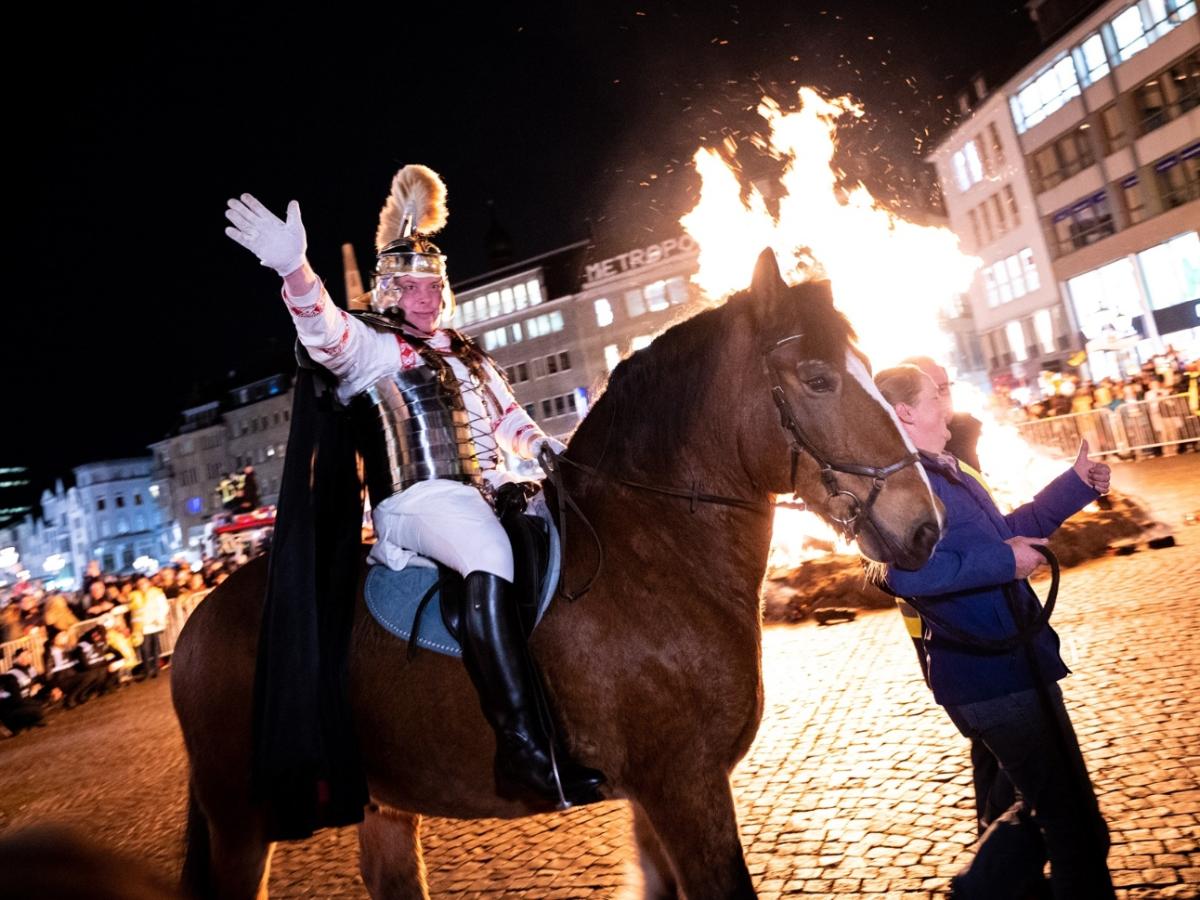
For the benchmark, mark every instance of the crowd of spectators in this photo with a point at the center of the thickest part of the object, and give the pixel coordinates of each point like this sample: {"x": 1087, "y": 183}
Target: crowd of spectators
{"x": 1165, "y": 376}
{"x": 112, "y": 632}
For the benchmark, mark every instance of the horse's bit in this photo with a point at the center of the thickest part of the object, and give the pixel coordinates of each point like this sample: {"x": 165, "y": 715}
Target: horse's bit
{"x": 848, "y": 524}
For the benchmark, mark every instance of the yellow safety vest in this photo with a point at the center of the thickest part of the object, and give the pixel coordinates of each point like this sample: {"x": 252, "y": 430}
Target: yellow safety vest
{"x": 912, "y": 618}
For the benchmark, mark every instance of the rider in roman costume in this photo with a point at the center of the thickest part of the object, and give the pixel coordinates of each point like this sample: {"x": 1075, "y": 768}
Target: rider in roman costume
{"x": 431, "y": 415}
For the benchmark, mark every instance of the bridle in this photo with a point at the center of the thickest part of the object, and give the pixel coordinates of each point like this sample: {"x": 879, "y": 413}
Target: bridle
{"x": 857, "y": 511}
{"x": 553, "y": 465}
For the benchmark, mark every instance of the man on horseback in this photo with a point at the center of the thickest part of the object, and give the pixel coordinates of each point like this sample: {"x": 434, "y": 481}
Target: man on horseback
{"x": 431, "y": 414}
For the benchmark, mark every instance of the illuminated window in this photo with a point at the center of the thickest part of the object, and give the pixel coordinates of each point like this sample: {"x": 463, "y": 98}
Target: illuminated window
{"x": 1093, "y": 62}
{"x": 612, "y": 356}
{"x": 974, "y": 165}
{"x": 989, "y": 285}
{"x": 1130, "y": 33}
{"x": 1015, "y": 278}
{"x": 1171, "y": 270}
{"x": 1043, "y": 326}
{"x": 1044, "y": 94}
{"x": 677, "y": 290}
{"x": 1029, "y": 269}
{"x": 960, "y": 171}
{"x": 604, "y": 312}
{"x": 640, "y": 342}
{"x": 1016, "y": 340}
{"x": 635, "y": 303}
{"x": 1000, "y": 273}
{"x": 656, "y": 296}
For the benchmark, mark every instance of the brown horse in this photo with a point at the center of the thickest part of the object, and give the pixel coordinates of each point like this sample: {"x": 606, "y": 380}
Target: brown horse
{"x": 655, "y": 673}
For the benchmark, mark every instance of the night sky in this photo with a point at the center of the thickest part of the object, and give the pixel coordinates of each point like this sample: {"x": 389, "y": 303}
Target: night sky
{"x": 128, "y": 132}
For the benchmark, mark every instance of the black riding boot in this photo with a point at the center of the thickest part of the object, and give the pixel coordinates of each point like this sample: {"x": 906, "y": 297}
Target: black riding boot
{"x": 499, "y": 664}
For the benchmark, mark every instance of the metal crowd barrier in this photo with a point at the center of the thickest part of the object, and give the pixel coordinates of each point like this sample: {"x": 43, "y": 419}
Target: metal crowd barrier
{"x": 181, "y": 609}
{"x": 1144, "y": 425}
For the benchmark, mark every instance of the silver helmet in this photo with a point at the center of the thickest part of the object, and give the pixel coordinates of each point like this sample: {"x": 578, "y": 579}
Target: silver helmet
{"x": 415, "y": 210}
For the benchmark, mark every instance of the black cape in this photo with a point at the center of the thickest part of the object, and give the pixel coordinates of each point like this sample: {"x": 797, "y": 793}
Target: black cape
{"x": 306, "y": 769}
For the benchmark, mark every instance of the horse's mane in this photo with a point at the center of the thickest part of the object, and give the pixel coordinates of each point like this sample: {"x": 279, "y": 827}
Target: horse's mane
{"x": 655, "y": 396}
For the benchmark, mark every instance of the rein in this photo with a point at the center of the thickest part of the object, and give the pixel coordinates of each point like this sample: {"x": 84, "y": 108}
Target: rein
{"x": 998, "y": 646}
{"x": 551, "y": 464}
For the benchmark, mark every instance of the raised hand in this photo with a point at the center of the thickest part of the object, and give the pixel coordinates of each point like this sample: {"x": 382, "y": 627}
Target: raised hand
{"x": 278, "y": 244}
{"x": 1095, "y": 475}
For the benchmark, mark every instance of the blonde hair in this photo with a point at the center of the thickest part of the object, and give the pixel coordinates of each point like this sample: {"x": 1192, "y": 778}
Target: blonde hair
{"x": 901, "y": 384}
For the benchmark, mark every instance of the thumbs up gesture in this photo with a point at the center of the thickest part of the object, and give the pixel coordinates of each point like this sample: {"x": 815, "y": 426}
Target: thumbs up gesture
{"x": 1095, "y": 475}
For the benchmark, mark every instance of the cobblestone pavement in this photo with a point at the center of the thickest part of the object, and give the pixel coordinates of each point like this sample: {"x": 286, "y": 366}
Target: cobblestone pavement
{"x": 858, "y": 785}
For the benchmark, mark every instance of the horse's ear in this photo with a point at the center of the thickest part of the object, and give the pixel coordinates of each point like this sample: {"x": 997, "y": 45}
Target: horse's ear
{"x": 767, "y": 283}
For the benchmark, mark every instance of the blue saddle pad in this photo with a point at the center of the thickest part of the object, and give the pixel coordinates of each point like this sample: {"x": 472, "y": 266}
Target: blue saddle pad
{"x": 393, "y": 597}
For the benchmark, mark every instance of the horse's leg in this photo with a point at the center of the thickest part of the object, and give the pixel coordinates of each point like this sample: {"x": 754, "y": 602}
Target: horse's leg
{"x": 227, "y": 859}
{"x": 241, "y": 863}
{"x": 390, "y": 859}
{"x": 658, "y": 881}
{"x": 696, "y": 825}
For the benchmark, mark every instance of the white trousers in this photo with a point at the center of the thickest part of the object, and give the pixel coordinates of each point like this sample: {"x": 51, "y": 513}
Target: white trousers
{"x": 447, "y": 521}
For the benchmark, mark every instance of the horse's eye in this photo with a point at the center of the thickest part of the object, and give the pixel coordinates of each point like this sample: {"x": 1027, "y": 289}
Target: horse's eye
{"x": 819, "y": 383}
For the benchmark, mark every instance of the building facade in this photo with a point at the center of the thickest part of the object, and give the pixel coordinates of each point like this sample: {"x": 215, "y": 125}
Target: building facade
{"x": 1077, "y": 184}
{"x": 558, "y": 324}
{"x": 257, "y": 423}
{"x": 112, "y": 516}
{"x": 248, "y": 427}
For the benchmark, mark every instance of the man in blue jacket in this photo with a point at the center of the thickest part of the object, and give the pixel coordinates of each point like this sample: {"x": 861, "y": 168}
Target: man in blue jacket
{"x": 1010, "y": 701}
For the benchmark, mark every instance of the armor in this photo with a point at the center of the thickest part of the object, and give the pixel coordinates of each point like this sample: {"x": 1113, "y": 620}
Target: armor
{"x": 413, "y": 427}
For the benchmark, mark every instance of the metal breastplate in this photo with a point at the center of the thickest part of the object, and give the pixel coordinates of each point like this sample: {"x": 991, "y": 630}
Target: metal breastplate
{"x": 412, "y": 427}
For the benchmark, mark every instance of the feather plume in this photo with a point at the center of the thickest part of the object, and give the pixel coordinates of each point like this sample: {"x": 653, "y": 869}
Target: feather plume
{"x": 419, "y": 192}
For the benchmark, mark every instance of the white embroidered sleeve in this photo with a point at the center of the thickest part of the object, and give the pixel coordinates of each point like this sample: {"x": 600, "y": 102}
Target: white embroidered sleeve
{"x": 333, "y": 338}
{"x": 515, "y": 431}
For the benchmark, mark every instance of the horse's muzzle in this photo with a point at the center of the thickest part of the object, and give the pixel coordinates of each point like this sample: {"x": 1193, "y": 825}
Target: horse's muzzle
{"x": 919, "y": 547}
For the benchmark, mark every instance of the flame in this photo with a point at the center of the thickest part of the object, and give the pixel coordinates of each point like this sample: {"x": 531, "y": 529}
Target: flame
{"x": 1014, "y": 469}
{"x": 891, "y": 277}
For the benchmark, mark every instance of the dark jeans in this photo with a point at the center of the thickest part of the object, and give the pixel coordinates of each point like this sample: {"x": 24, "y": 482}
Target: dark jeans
{"x": 1038, "y": 752}
{"x": 150, "y": 650}
{"x": 994, "y": 793}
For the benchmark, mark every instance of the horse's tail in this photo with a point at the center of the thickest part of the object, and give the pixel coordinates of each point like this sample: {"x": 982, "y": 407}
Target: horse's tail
{"x": 196, "y": 880}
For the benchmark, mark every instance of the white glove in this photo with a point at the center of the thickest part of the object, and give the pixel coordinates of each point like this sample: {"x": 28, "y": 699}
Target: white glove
{"x": 546, "y": 441}
{"x": 279, "y": 245}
